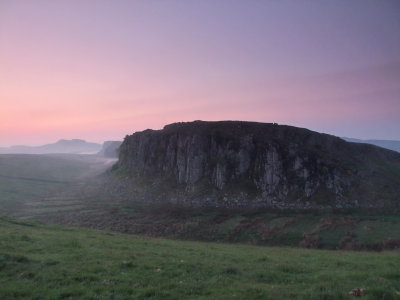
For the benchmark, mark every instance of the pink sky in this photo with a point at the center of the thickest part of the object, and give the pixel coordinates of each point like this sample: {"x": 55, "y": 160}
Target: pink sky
{"x": 99, "y": 70}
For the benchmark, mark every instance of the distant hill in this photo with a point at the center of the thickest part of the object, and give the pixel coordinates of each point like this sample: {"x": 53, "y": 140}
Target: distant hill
{"x": 249, "y": 164}
{"x": 388, "y": 144}
{"x": 75, "y": 146}
{"x": 110, "y": 149}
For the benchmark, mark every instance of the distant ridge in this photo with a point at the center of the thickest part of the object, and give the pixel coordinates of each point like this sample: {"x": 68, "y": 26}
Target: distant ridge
{"x": 388, "y": 144}
{"x": 74, "y": 146}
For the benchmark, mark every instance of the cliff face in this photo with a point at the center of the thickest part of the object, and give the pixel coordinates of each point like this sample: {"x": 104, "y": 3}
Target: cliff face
{"x": 110, "y": 149}
{"x": 233, "y": 163}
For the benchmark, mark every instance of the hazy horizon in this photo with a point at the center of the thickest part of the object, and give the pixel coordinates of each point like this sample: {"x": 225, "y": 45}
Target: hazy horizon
{"x": 101, "y": 141}
{"x": 99, "y": 70}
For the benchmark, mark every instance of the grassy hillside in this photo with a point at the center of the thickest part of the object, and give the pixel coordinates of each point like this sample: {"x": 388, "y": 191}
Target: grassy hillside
{"x": 63, "y": 190}
{"x": 51, "y": 262}
{"x": 326, "y": 231}
{"x": 26, "y": 180}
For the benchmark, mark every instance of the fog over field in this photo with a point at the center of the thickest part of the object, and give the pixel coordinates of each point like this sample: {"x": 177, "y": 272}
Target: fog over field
{"x": 225, "y": 149}
{"x": 102, "y": 191}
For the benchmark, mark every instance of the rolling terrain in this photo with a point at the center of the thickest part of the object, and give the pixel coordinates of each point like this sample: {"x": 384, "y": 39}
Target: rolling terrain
{"x": 51, "y": 262}
{"x": 31, "y": 185}
{"x": 73, "y": 190}
{"x": 320, "y": 231}
{"x": 74, "y": 146}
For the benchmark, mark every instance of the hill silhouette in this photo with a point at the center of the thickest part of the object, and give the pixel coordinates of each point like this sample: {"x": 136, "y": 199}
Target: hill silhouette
{"x": 76, "y": 146}
{"x": 242, "y": 164}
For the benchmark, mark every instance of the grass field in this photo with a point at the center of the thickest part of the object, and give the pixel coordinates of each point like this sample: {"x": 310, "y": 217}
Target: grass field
{"x": 31, "y": 184}
{"x": 51, "y": 262}
{"x": 327, "y": 231}
{"x": 63, "y": 189}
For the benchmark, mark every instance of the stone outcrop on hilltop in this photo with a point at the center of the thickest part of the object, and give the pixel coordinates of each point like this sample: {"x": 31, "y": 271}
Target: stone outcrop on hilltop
{"x": 237, "y": 164}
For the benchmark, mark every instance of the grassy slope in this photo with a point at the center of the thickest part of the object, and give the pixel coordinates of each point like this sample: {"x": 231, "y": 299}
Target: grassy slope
{"x": 56, "y": 189}
{"x": 328, "y": 231}
{"x": 51, "y": 262}
{"x": 25, "y": 179}
{"x": 46, "y": 167}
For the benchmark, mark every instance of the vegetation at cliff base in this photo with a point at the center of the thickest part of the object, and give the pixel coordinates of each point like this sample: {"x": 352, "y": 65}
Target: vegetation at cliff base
{"x": 62, "y": 189}
{"x": 51, "y": 262}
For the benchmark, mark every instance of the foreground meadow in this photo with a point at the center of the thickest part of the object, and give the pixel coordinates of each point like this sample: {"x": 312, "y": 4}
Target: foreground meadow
{"x": 52, "y": 262}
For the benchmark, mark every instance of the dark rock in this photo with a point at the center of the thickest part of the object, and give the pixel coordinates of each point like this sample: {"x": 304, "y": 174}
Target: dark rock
{"x": 388, "y": 144}
{"x": 237, "y": 164}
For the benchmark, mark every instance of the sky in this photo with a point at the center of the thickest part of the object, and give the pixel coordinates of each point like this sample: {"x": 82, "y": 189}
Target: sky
{"x": 99, "y": 70}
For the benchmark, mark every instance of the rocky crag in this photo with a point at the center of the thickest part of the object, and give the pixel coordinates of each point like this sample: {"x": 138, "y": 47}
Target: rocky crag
{"x": 248, "y": 164}
{"x": 110, "y": 149}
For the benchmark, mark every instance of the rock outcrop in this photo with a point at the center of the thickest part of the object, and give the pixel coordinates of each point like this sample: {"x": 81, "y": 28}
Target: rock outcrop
{"x": 110, "y": 149}
{"x": 237, "y": 164}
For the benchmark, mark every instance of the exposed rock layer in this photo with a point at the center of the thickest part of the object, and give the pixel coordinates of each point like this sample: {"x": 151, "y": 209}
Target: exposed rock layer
{"x": 232, "y": 163}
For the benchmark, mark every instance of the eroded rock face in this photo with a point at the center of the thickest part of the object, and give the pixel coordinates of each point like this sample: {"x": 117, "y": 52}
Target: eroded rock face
{"x": 255, "y": 164}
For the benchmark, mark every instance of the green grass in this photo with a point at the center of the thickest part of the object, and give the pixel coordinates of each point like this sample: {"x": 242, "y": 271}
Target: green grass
{"x": 62, "y": 189}
{"x": 43, "y": 167}
{"x": 26, "y": 180}
{"x": 271, "y": 229}
{"x": 51, "y": 262}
